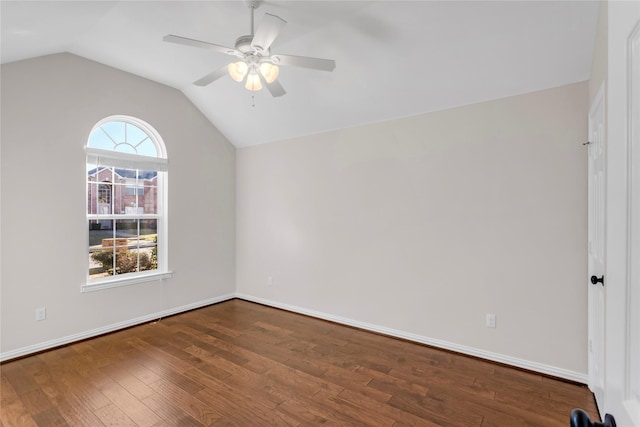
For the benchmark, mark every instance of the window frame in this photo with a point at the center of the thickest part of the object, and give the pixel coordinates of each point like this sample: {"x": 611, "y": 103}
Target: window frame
{"x": 122, "y": 160}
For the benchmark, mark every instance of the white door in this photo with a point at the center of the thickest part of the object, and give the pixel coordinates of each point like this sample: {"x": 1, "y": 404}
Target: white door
{"x": 596, "y": 248}
{"x": 631, "y": 398}
{"x": 622, "y": 275}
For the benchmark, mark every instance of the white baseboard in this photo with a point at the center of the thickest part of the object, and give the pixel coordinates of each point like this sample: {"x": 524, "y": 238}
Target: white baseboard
{"x": 471, "y": 351}
{"x": 109, "y": 328}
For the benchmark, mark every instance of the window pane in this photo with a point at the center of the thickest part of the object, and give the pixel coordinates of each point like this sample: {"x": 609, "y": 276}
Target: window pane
{"x": 135, "y": 135}
{"x": 148, "y": 232}
{"x": 147, "y": 178}
{"x": 127, "y": 229}
{"x": 114, "y": 130}
{"x": 148, "y": 197}
{"x": 104, "y": 198}
{"x": 149, "y": 241}
{"x": 120, "y": 199}
{"x": 147, "y": 148}
{"x": 141, "y": 141}
{"x": 126, "y": 262}
{"x": 92, "y": 189}
{"x": 149, "y": 202}
{"x": 134, "y": 187}
{"x": 99, "y": 190}
{"x": 127, "y": 239}
{"x": 98, "y": 139}
{"x": 92, "y": 198}
{"x": 136, "y": 260}
{"x": 98, "y": 230}
{"x": 100, "y": 248}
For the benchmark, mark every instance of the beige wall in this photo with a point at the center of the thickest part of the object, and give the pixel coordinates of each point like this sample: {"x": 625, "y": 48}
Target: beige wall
{"x": 423, "y": 225}
{"x": 49, "y": 106}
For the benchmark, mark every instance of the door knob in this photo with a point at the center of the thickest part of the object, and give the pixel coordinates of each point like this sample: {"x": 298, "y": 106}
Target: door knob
{"x": 595, "y": 280}
{"x": 580, "y": 418}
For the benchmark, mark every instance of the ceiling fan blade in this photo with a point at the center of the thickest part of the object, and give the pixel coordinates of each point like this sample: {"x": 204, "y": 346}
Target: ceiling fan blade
{"x": 304, "y": 62}
{"x": 275, "y": 89}
{"x": 209, "y": 78}
{"x": 201, "y": 44}
{"x": 267, "y": 31}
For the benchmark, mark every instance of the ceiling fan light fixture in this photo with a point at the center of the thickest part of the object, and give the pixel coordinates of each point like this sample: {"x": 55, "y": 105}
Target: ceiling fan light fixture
{"x": 253, "y": 82}
{"x": 269, "y": 72}
{"x": 237, "y": 70}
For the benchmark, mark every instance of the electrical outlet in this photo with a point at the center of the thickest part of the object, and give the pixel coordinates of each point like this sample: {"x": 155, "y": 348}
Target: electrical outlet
{"x": 41, "y": 313}
{"x": 491, "y": 320}
{"x": 269, "y": 280}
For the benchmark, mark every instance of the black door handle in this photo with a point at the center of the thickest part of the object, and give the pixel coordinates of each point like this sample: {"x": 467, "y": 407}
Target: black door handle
{"x": 580, "y": 418}
{"x": 596, "y": 280}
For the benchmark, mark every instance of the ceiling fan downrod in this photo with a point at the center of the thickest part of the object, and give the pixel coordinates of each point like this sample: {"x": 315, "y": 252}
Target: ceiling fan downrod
{"x": 253, "y": 5}
{"x": 243, "y": 43}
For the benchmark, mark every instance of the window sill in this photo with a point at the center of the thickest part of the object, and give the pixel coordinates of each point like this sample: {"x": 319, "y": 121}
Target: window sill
{"x": 99, "y": 285}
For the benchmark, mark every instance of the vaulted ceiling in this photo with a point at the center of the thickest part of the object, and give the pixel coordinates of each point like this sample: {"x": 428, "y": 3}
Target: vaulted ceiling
{"x": 393, "y": 58}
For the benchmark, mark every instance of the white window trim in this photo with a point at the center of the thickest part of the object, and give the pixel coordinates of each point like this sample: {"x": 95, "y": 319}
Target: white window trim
{"x": 125, "y": 280}
{"x": 160, "y": 164}
{"x": 125, "y": 160}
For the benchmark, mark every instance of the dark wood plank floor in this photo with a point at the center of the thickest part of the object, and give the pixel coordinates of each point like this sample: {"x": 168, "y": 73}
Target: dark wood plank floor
{"x": 243, "y": 364}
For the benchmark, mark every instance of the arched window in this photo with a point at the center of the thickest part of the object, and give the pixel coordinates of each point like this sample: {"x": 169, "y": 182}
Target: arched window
{"x": 126, "y": 203}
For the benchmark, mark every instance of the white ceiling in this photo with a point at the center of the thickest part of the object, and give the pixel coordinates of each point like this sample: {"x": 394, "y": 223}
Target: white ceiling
{"x": 393, "y": 58}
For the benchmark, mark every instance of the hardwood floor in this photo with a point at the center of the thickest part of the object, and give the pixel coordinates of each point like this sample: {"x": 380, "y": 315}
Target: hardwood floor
{"x": 242, "y": 364}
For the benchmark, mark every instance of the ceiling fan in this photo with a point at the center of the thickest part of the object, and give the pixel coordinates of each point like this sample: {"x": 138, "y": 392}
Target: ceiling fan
{"x": 257, "y": 65}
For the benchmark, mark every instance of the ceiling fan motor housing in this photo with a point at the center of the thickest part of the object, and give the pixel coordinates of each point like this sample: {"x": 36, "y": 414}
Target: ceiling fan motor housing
{"x": 243, "y": 44}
